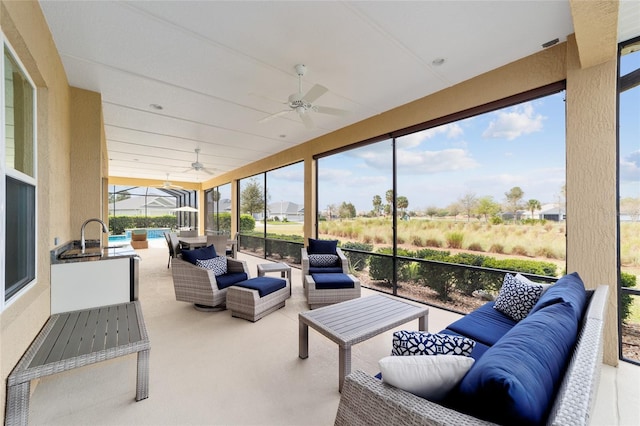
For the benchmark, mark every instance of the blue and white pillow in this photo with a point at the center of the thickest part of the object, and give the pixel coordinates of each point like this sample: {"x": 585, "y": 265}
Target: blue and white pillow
{"x": 517, "y": 297}
{"x": 323, "y": 260}
{"x": 217, "y": 264}
{"x": 423, "y": 343}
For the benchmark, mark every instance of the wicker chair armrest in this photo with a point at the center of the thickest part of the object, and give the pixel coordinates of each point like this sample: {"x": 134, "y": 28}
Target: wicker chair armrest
{"x": 344, "y": 260}
{"x": 366, "y": 400}
{"x": 235, "y": 265}
{"x": 304, "y": 260}
{"x": 187, "y": 275}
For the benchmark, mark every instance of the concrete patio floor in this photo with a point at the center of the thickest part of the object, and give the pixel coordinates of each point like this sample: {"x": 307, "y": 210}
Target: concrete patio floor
{"x": 208, "y": 368}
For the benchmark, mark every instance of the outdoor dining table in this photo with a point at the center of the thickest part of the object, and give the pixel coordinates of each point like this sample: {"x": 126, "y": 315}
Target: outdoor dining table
{"x": 190, "y": 243}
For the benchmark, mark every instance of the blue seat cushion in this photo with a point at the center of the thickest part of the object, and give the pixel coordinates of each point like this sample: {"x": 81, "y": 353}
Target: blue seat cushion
{"x": 484, "y": 325}
{"x": 227, "y": 280}
{"x": 325, "y": 270}
{"x": 199, "y": 254}
{"x": 478, "y": 350}
{"x": 264, "y": 285}
{"x": 332, "y": 281}
{"x": 322, "y": 246}
{"x": 517, "y": 379}
{"x": 570, "y": 289}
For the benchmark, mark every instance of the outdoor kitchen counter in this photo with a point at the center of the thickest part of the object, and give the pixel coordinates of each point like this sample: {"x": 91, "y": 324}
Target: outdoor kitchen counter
{"x": 93, "y": 252}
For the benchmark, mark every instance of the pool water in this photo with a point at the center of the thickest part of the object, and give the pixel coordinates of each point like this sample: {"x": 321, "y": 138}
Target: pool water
{"x": 152, "y": 233}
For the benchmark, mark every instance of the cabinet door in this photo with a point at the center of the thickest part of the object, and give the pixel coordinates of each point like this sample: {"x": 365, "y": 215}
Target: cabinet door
{"x": 82, "y": 285}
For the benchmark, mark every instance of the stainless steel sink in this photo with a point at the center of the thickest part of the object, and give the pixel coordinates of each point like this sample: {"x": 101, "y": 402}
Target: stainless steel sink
{"x": 77, "y": 253}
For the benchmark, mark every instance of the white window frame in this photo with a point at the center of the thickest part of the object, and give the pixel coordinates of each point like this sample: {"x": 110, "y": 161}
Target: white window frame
{"x": 5, "y": 171}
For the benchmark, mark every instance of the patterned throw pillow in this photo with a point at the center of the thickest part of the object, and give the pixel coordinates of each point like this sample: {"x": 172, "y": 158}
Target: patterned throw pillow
{"x": 323, "y": 260}
{"x": 516, "y": 297}
{"x": 217, "y": 264}
{"x": 423, "y": 343}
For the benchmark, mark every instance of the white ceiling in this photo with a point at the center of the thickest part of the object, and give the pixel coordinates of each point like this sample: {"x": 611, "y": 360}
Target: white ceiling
{"x": 218, "y": 67}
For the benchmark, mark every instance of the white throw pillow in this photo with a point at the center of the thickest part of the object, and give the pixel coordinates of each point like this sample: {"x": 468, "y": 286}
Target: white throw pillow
{"x": 217, "y": 264}
{"x": 516, "y": 298}
{"x": 427, "y": 376}
{"x": 526, "y": 280}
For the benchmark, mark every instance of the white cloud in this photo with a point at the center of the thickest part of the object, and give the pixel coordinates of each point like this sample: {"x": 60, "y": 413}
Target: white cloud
{"x": 517, "y": 121}
{"x": 630, "y": 167}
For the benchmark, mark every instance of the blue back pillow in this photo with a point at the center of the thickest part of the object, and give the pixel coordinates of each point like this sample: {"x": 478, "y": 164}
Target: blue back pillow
{"x": 199, "y": 254}
{"x": 322, "y": 246}
{"x": 570, "y": 289}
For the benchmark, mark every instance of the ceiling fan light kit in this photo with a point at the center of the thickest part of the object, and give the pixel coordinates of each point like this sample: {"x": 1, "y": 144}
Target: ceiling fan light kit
{"x": 302, "y": 104}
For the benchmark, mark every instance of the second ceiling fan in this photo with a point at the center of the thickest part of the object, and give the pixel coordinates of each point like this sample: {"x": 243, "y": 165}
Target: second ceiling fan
{"x": 303, "y": 104}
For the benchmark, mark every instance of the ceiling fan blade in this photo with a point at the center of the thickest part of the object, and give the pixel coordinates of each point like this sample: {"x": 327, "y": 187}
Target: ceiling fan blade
{"x": 329, "y": 110}
{"x": 272, "y": 116}
{"x": 314, "y": 93}
{"x": 308, "y": 123}
{"x": 211, "y": 172}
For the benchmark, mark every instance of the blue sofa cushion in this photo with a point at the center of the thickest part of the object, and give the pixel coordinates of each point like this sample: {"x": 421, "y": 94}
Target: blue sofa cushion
{"x": 484, "y": 325}
{"x": 230, "y": 279}
{"x": 570, "y": 289}
{"x": 325, "y": 270}
{"x": 199, "y": 254}
{"x": 478, "y": 349}
{"x": 332, "y": 281}
{"x": 516, "y": 381}
{"x": 422, "y": 343}
{"x": 322, "y": 246}
{"x": 264, "y": 285}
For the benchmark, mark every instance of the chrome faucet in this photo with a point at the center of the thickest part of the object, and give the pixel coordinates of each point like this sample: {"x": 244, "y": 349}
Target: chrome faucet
{"x": 104, "y": 229}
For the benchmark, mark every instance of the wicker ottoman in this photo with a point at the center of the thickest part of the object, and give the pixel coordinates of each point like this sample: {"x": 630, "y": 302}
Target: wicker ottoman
{"x": 256, "y": 297}
{"x": 331, "y": 288}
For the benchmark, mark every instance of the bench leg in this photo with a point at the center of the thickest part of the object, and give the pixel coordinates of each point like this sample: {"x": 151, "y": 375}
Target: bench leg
{"x": 142, "y": 380}
{"x": 17, "y": 410}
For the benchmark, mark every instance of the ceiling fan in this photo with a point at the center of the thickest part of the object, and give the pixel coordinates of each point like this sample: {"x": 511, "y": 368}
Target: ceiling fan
{"x": 197, "y": 165}
{"x": 168, "y": 185}
{"x": 303, "y": 104}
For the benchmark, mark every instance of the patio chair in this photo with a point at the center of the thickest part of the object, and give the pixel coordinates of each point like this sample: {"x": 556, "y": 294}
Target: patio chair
{"x": 202, "y": 287}
{"x": 219, "y": 242}
{"x": 174, "y": 245}
{"x": 314, "y": 266}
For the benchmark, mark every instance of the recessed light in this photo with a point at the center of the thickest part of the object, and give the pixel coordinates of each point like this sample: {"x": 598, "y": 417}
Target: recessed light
{"x": 157, "y": 107}
{"x": 437, "y": 62}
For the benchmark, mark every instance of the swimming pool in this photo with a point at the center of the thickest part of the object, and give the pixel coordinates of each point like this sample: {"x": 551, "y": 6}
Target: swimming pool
{"x": 152, "y": 233}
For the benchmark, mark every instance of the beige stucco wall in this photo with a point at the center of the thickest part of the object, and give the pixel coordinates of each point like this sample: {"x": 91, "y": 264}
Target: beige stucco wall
{"x": 25, "y": 29}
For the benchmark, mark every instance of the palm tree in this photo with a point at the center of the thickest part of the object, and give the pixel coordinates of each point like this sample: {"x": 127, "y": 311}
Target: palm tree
{"x": 533, "y": 205}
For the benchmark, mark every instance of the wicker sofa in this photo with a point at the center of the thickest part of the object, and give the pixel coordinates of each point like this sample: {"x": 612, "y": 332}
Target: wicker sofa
{"x": 366, "y": 400}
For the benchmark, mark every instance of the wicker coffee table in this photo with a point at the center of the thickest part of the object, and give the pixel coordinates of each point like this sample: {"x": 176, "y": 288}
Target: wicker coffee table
{"x": 355, "y": 321}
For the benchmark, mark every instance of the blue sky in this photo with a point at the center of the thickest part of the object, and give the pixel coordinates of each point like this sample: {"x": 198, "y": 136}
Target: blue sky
{"x": 487, "y": 155}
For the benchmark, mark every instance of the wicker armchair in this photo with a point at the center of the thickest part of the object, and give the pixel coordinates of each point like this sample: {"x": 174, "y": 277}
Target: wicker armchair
{"x": 308, "y": 270}
{"x": 199, "y": 286}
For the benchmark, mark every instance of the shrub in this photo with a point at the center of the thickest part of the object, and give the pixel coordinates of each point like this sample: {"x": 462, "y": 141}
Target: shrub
{"x": 496, "y": 220}
{"x": 454, "y": 240}
{"x": 381, "y": 267}
{"x": 357, "y": 261}
{"x": 532, "y": 267}
{"x": 626, "y": 300}
{"x": 247, "y": 223}
{"x": 475, "y": 247}
{"x": 496, "y": 248}
{"x": 519, "y": 250}
{"x": 546, "y": 252}
{"x": 416, "y": 241}
{"x": 432, "y": 242}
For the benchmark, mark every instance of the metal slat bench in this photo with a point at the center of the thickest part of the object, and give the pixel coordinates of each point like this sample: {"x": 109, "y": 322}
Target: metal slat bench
{"x": 74, "y": 339}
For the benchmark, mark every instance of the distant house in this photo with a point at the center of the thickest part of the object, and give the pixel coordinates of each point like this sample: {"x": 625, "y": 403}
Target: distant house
{"x": 283, "y": 210}
{"x": 137, "y": 206}
{"x": 551, "y": 211}
{"x": 223, "y": 205}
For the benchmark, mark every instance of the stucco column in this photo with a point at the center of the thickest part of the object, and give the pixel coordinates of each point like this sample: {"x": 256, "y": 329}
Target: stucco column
{"x": 591, "y": 182}
{"x": 310, "y": 206}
